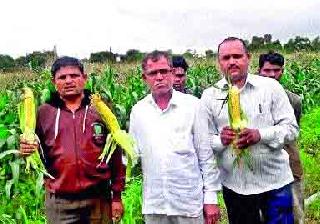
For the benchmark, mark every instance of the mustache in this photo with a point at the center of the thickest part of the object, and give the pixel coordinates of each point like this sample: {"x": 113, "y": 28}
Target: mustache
{"x": 232, "y": 66}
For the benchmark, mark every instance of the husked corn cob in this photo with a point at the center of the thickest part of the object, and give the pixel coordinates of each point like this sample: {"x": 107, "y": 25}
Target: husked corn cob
{"x": 237, "y": 121}
{"x": 27, "y": 117}
{"x": 106, "y": 114}
{"x": 234, "y": 107}
{"x": 116, "y": 137}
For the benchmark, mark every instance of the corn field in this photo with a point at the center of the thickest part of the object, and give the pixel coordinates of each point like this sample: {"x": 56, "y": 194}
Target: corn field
{"x": 22, "y": 195}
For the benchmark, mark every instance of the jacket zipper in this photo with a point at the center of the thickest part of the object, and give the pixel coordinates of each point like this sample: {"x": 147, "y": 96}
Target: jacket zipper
{"x": 76, "y": 148}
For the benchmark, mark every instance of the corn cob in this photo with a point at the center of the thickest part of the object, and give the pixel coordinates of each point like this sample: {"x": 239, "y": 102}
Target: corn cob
{"x": 27, "y": 117}
{"x": 237, "y": 121}
{"x": 234, "y": 107}
{"x": 116, "y": 137}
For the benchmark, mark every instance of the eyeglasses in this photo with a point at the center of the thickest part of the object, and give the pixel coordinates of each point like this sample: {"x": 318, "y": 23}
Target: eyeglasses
{"x": 161, "y": 71}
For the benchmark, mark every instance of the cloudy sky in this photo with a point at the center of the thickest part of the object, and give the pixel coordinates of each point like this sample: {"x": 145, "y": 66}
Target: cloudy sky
{"x": 80, "y": 27}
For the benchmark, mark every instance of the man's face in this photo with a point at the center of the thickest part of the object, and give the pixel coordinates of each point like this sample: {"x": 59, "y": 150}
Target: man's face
{"x": 271, "y": 70}
{"x": 233, "y": 60}
{"x": 69, "y": 82}
{"x": 158, "y": 76}
{"x": 179, "y": 80}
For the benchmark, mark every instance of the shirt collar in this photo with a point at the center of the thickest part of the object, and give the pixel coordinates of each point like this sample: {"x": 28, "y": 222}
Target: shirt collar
{"x": 173, "y": 101}
{"x": 223, "y": 84}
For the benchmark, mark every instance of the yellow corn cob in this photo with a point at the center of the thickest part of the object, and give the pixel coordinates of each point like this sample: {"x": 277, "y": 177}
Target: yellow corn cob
{"x": 235, "y": 113}
{"x": 238, "y": 121}
{"x": 105, "y": 113}
{"x": 118, "y": 136}
{"x": 27, "y": 117}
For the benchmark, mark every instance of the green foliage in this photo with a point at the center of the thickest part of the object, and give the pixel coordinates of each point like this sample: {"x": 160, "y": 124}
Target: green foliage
{"x": 310, "y": 132}
{"x": 22, "y": 196}
{"x": 313, "y": 212}
{"x": 302, "y": 78}
{"x": 201, "y": 75}
{"x": 133, "y": 202}
{"x": 6, "y": 62}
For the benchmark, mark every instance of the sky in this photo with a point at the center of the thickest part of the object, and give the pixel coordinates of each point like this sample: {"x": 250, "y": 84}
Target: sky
{"x": 80, "y": 27}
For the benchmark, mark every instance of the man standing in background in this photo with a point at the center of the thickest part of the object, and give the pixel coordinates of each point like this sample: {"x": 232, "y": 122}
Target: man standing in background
{"x": 271, "y": 65}
{"x": 180, "y": 68}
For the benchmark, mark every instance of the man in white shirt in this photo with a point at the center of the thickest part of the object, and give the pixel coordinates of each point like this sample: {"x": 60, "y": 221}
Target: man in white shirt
{"x": 260, "y": 193}
{"x": 179, "y": 180}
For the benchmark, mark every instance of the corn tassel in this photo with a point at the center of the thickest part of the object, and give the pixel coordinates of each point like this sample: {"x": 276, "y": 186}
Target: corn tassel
{"x": 27, "y": 117}
{"x": 116, "y": 137}
{"x": 238, "y": 122}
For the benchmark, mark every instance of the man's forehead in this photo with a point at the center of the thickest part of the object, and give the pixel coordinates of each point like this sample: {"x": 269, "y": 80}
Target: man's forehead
{"x": 228, "y": 47}
{"x": 162, "y": 61}
{"x": 179, "y": 70}
{"x": 267, "y": 64}
{"x": 69, "y": 69}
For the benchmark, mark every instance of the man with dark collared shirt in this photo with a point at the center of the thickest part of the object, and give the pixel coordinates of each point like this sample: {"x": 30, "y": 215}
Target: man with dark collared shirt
{"x": 180, "y": 68}
{"x": 271, "y": 65}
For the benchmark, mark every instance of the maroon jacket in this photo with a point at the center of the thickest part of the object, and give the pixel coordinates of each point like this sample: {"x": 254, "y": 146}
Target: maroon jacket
{"x": 71, "y": 144}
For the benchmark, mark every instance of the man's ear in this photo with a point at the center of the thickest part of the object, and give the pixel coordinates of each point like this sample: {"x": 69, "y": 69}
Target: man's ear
{"x": 85, "y": 76}
{"x": 249, "y": 56}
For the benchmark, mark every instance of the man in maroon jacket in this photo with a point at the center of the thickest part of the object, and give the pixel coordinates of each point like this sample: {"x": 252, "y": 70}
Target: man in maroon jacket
{"x": 72, "y": 136}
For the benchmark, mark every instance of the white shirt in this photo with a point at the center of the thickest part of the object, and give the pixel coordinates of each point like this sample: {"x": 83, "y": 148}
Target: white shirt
{"x": 267, "y": 108}
{"x": 178, "y": 178}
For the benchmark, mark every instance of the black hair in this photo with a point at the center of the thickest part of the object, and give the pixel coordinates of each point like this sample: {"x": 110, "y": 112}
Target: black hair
{"x": 179, "y": 61}
{"x": 66, "y": 61}
{"x": 272, "y": 58}
{"x": 234, "y": 39}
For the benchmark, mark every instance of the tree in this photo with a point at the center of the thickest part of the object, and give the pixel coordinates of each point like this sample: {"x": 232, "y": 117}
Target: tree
{"x": 316, "y": 44}
{"x": 267, "y": 38}
{"x": 6, "y": 62}
{"x": 21, "y": 62}
{"x": 298, "y": 44}
{"x": 209, "y": 53}
{"x": 133, "y": 55}
{"x": 37, "y": 60}
{"x": 103, "y": 56}
{"x": 256, "y": 43}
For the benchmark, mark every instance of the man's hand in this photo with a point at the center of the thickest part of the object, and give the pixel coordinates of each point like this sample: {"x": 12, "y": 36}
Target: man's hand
{"x": 227, "y": 135}
{"x": 27, "y": 148}
{"x": 211, "y": 213}
{"x": 248, "y": 137}
{"x": 117, "y": 210}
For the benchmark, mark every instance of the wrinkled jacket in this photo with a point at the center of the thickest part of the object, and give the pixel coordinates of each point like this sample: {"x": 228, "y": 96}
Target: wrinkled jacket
{"x": 71, "y": 144}
{"x": 292, "y": 148}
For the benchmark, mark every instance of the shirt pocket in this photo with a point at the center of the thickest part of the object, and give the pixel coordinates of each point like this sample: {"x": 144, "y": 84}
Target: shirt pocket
{"x": 182, "y": 143}
{"x": 259, "y": 116}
